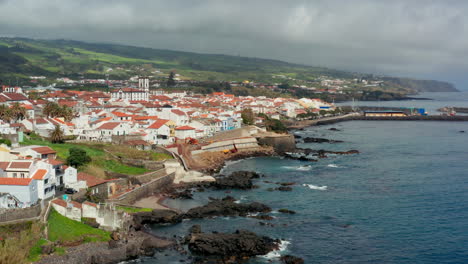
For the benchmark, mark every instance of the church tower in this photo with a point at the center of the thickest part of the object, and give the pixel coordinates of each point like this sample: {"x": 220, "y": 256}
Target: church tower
{"x": 143, "y": 84}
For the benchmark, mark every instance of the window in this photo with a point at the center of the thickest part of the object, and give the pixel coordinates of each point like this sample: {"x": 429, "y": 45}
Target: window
{"x": 15, "y": 175}
{"x": 22, "y": 175}
{"x": 46, "y": 181}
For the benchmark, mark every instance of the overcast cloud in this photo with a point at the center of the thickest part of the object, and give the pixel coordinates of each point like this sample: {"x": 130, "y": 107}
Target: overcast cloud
{"x": 419, "y": 38}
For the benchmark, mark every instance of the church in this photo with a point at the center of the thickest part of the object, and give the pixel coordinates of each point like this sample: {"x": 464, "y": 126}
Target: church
{"x": 133, "y": 94}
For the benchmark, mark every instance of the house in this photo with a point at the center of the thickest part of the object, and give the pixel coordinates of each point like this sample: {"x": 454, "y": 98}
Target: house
{"x": 160, "y": 132}
{"x": 109, "y": 129}
{"x": 185, "y": 132}
{"x": 45, "y": 183}
{"x": 24, "y": 191}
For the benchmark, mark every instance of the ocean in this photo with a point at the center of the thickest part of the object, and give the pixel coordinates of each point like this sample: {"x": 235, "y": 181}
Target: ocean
{"x": 403, "y": 199}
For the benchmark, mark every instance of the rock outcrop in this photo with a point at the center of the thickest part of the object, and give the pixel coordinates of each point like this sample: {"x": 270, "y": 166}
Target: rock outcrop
{"x": 228, "y": 248}
{"x": 288, "y": 259}
{"x": 237, "y": 180}
{"x": 225, "y": 207}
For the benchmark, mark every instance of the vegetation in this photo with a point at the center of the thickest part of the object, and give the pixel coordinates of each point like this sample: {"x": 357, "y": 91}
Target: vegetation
{"x": 130, "y": 210}
{"x": 5, "y": 141}
{"x": 66, "y": 230}
{"x": 12, "y": 114}
{"x": 100, "y": 160}
{"x": 78, "y": 157}
{"x": 53, "y": 110}
{"x": 17, "y": 241}
{"x": 20, "y": 58}
{"x": 248, "y": 117}
{"x": 57, "y": 136}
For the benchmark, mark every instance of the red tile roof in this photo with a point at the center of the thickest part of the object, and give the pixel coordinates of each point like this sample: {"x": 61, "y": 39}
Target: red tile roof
{"x": 54, "y": 162}
{"x": 185, "y": 128}
{"x": 109, "y": 125}
{"x": 90, "y": 204}
{"x": 60, "y": 202}
{"x": 15, "y": 97}
{"x": 159, "y": 123}
{"x": 15, "y": 181}
{"x": 44, "y": 150}
{"x": 39, "y": 175}
{"x": 178, "y": 112}
{"x": 4, "y": 165}
{"x": 19, "y": 165}
{"x": 90, "y": 179}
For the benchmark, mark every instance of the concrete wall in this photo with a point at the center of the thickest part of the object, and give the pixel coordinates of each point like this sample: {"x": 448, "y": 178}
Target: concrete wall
{"x": 73, "y": 213}
{"x": 20, "y": 213}
{"x": 145, "y": 190}
{"x": 241, "y": 143}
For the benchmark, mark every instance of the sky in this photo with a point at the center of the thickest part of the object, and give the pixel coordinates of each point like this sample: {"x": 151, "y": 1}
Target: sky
{"x": 408, "y": 38}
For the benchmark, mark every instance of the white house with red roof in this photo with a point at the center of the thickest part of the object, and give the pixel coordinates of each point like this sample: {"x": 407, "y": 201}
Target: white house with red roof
{"x": 159, "y": 132}
{"x": 109, "y": 129}
{"x": 23, "y": 189}
{"x": 184, "y": 132}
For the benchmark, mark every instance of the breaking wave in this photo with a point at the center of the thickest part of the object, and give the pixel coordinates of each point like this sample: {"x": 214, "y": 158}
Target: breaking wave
{"x": 315, "y": 187}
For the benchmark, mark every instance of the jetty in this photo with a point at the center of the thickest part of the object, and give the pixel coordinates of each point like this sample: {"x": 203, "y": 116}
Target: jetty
{"x": 358, "y": 116}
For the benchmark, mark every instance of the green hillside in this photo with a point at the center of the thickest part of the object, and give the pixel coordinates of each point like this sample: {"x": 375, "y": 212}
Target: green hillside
{"x": 21, "y": 58}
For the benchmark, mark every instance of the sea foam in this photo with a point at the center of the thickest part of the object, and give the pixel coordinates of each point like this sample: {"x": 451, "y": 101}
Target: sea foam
{"x": 277, "y": 253}
{"x": 315, "y": 187}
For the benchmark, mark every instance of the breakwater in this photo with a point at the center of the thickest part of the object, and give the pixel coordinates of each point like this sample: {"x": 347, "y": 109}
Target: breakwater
{"x": 384, "y": 118}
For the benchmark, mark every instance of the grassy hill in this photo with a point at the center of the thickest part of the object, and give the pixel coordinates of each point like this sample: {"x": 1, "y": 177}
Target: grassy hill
{"x": 20, "y": 58}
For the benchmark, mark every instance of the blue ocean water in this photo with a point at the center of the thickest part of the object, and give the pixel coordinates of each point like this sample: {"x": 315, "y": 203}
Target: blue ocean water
{"x": 403, "y": 199}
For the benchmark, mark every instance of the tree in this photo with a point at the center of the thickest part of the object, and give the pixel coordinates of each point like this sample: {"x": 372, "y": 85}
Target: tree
{"x": 275, "y": 125}
{"x": 5, "y": 113}
{"x": 170, "y": 80}
{"x": 52, "y": 109}
{"x": 77, "y": 157}
{"x": 248, "y": 117}
{"x": 57, "y": 136}
{"x": 18, "y": 112}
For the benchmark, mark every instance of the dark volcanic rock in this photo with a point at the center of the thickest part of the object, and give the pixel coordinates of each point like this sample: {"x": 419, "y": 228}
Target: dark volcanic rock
{"x": 155, "y": 217}
{"x": 237, "y": 180}
{"x": 223, "y": 247}
{"x": 288, "y": 259}
{"x": 284, "y": 189}
{"x": 286, "y": 211}
{"x": 320, "y": 140}
{"x": 297, "y": 136}
{"x": 225, "y": 207}
{"x": 334, "y": 129}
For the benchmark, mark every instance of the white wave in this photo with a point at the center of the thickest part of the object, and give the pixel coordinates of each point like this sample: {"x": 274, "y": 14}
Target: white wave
{"x": 299, "y": 168}
{"x": 333, "y": 166}
{"x": 242, "y": 198}
{"x": 277, "y": 253}
{"x": 315, "y": 187}
{"x": 304, "y": 168}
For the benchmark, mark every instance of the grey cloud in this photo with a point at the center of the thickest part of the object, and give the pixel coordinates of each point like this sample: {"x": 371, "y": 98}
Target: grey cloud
{"x": 420, "y": 38}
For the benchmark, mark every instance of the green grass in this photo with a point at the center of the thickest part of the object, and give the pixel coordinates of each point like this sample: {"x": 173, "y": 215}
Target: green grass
{"x": 133, "y": 209}
{"x": 67, "y": 230}
{"x": 115, "y": 166}
{"x": 63, "y": 149}
{"x": 96, "y": 152}
{"x": 35, "y": 252}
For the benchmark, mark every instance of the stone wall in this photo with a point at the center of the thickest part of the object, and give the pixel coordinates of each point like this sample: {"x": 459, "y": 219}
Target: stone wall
{"x": 147, "y": 164}
{"x": 147, "y": 177}
{"x": 281, "y": 144}
{"x": 20, "y": 213}
{"x": 145, "y": 190}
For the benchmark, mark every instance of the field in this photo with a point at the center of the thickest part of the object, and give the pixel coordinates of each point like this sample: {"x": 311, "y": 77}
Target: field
{"x": 101, "y": 160}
